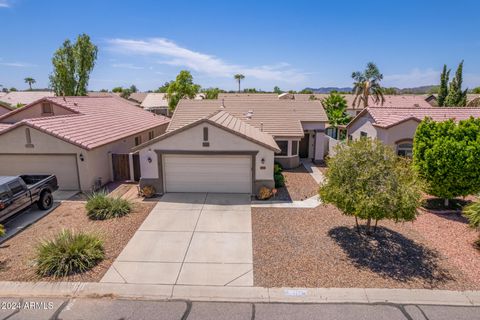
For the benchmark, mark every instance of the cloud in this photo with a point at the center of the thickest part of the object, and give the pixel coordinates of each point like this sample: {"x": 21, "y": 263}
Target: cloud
{"x": 127, "y": 66}
{"x": 415, "y": 77}
{"x": 4, "y": 4}
{"x": 175, "y": 55}
{"x": 16, "y": 64}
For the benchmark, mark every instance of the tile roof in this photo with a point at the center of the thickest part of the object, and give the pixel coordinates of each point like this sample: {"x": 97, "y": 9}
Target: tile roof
{"x": 224, "y": 120}
{"x": 154, "y": 100}
{"x": 280, "y": 118}
{"x": 14, "y": 98}
{"x": 138, "y": 96}
{"x": 4, "y": 126}
{"x": 95, "y": 121}
{"x": 387, "y": 117}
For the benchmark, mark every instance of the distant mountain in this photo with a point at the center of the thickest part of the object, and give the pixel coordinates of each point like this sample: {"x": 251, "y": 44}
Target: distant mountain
{"x": 413, "y": 90}
{"x": 329, "y": 89}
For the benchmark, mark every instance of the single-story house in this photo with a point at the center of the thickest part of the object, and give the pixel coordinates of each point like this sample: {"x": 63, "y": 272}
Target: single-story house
{"x": 231, "y": 146}
{"x": 396, "y": 127}
{"x": 473, "y": 100}
{"x": 158, "y": 103}
{"x": 21, "y": 98}
{"x": 85, "y": 141}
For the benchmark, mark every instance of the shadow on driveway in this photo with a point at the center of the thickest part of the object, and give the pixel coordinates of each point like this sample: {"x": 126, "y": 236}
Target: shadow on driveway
{"x": 389, "y": 253}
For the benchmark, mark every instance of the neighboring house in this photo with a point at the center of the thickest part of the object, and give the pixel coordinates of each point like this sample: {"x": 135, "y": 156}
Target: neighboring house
{"x": 158, "y": 103}
{"x": 473, "y": 100}
{"x": 231, "y": 147}
{"x": 396, "y": 127}
{"x": 85, "y": 141}
{"x": 138, "y": 97}
{"x": 21, "y": 98}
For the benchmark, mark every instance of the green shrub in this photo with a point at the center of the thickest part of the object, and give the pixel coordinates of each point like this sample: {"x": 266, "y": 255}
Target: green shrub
{"x": 2, "y": 230}
{"x": 277, "y": 169}
{"x": 100, "y": 207}
{"x": 69, "y": 253}
{"x": 279, "y": 180}
{"x": 472, "y": 212}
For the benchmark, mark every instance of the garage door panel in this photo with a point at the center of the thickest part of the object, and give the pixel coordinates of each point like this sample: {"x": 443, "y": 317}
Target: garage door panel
{"x": 213, "y": 173}
{"x": 63, "y": 166}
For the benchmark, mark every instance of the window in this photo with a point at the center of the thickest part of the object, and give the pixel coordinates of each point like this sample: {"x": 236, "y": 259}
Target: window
{"x": 205, "y": 134}
{"x": 16, "y": 187}
{"x": 28, "y": 138}
{"x": 405, "y": 149}
{"x": 151, "y": 135}
{"x": 283, "y": 145}
{"x": 363, "y": 134}
{"x": 47, "y": 108}
{"x": 295, "y": 147}
{"x": 138, "y": 140}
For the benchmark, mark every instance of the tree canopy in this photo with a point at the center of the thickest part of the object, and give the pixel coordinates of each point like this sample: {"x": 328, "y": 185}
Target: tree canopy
{"x": 72, "y": 65}
{"x": 212, "y": 93}
{"x": 367, "y": 180}
{"x": 366, "y": 84}
{"x": 182, "y": 87}
{"x": 239, "y": 77}
{"x": 30, "y": 81}
{"x": 445, "y": 155}
{"x": 335, "y": 106}
{"x": 443, "y": 89}
{"x": 456, "y": 97}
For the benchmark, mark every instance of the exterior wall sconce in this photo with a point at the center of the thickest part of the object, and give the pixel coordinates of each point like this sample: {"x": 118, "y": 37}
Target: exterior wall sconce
{"x": 81, "y": 157}
{"x": 262, "y": 161}
{"x": 149, "y": 159}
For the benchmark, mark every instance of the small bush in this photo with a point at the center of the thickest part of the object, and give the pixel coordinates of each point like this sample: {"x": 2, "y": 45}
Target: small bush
{"x": 277, "y": 169}
{"x": 148, "y": 191}
{"x": 472, "y": 212}
{"x": 100, "y": 207}
{"x": 264, "y": 193}
{"x": 69, "y": 253}
{"x": 279, "y": 180}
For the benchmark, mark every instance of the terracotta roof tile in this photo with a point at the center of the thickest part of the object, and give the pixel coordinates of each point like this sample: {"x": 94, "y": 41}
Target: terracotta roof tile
{"x": 97, "y": 121}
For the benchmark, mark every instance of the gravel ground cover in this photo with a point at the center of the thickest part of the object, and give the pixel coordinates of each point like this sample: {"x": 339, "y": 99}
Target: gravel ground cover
{"x": 17, "y": 254}
{"x": 299, "y": 185}
{"x": 321, "y": 248}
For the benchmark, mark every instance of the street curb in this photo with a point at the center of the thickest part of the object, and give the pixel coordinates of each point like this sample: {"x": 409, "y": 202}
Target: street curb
{"x": 239, "y": 294}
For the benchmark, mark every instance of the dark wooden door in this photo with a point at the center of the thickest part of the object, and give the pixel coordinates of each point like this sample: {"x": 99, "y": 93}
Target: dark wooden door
{"x": 303, "y": 152}
{"x": 136, "y": 167}
{"x": 121, "y": 168}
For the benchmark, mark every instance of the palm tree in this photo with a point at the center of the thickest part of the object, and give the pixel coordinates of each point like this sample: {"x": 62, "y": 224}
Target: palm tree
{"x": 239, "y": 77}
{"x": 30, "y": 81}
{"x": 367, "y": 83}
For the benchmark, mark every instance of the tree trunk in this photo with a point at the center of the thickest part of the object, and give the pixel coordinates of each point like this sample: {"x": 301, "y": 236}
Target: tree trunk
{"x": 238, "y": 85}
{"x": 445, "y": 202}
{"x": 369, "y": 223}
{"x": 375, "y": 228}
{"x": 356, "y": 223}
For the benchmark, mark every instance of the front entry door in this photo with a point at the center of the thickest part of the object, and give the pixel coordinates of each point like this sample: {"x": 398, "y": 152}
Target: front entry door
{"x": 303, "y": 152}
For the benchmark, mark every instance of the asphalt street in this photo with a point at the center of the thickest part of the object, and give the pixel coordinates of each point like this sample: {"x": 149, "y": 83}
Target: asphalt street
{"x": 118, "y": 309}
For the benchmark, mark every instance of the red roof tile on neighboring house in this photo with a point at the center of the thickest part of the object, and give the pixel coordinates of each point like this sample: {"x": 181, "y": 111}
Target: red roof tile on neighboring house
{"x": 387, "y": 117}
{"x": 97, "y": 120}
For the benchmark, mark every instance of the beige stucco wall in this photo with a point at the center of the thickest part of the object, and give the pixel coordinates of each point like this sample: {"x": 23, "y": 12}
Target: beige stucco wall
{"x": 363, "y": 123}
{"x": 219, "y": 139}
{"x": 96, "y": 164}
{"x": 34, "y": 111}
{"x": 402, "y": 131}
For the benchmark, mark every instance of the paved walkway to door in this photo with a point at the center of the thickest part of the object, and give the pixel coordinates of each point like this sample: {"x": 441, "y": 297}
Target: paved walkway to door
{"x": 190, "y": 239}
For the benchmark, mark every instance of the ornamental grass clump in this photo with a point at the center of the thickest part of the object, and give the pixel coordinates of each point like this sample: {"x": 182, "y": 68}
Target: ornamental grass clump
{"x": 367, "y": 180}
{"x": 68, "y": 253}
{"x": 100, "y": 206}
{"x": 472, "y": 212}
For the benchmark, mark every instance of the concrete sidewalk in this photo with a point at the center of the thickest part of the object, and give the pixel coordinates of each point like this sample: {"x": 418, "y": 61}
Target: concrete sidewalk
{"x": 240, "y": 294}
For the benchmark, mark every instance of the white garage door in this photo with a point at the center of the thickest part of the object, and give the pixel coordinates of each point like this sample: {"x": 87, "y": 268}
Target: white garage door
{"x": 215, "y": 173}
{"x": 63, "y": 166}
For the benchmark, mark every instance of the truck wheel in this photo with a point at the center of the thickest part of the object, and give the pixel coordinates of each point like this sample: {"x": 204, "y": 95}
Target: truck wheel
{"x": 46, "y": 200}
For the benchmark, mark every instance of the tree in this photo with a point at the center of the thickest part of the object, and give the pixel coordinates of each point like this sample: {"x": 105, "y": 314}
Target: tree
{"x": 182, "y": 87}
{"x": 306, "y": 91}
{"x": 456, "y": 97}
{"x": 367, "y": 180}
{"x": 335, "y": 106}
{"x": 476, "y": 90}
{"x": 443, "y": 90}
{"x": 212, "y": 93}
{"x": 72, "y": 65}
{"x": 133, "y": 88}
{"x": 163, "y": 88}
{"x": 239, "y": 77}
{"x": 13, "y": 89}
{"x": 30, "y": 81}
{"x": 117, "y": 89}
{"x": 277, "y": 90}
{"x": 366, "y": 84}
{"x": 445, "y": 155}
{"x": 390, "y": 91}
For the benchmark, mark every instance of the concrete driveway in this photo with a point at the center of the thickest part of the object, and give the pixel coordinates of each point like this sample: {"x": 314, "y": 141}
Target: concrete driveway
{"x": 190, "y": 239}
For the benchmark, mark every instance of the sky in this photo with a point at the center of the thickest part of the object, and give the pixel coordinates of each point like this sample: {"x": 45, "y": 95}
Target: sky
{"x": 290, "y": 44}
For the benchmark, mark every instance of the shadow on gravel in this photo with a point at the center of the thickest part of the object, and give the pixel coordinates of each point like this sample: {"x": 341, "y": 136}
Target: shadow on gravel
{"x": 389, "y": 253}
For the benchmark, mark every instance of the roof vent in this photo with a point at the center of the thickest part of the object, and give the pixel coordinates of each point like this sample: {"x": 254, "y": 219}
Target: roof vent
{"x": 261, "y": 126}
{"x": 75, "y": 104}
{"x": 417, "y": 105}
{"x": 249, "y": 114}
{"x": 222, "y": 106}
